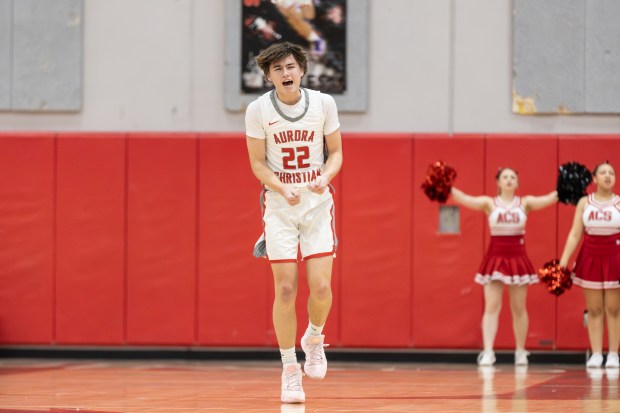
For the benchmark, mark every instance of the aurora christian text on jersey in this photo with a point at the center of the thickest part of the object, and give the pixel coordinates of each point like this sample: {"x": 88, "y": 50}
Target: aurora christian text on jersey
{"x": 295, "y": 141}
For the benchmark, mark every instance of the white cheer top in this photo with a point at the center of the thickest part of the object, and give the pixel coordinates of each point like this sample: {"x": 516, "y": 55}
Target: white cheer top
{"x": 601, "y": 218}
{"x": 507, "y": 219}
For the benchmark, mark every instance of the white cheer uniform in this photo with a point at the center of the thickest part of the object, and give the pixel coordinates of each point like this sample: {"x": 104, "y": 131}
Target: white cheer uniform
{"x": 506, "y": 259}
{"x": 598, "y": 263}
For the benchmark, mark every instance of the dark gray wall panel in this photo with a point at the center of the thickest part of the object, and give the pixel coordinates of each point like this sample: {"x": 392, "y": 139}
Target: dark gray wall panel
{"x": 47, "y": 55}
{"x": 549, "y": 53}
{"x": 5, "y": 54}
{"x": 603, "y": 56}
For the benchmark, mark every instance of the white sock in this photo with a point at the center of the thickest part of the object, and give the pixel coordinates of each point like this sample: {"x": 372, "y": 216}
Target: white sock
{"x": 313, "y": 330}
{"x": 288, "y": 355}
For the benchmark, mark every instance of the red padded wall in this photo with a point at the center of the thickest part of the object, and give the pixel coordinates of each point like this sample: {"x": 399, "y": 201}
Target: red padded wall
{"x": 535, "y": 160}
{"x": 446, "y": 303}
{"x": 27, "y": 171}
{"x": 100, "y": 236}
{"x": 90, "y": 279}
{"x": 161, "y": 239}
{"x": 589, "y": 151}
{"x": 233, "y": 297}
{"x": 376, "y": 241}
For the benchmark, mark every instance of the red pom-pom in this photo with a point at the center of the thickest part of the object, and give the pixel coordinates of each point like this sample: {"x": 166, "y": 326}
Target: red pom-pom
{"x": 557, "y": 279}
{"x": 438, "y": 182}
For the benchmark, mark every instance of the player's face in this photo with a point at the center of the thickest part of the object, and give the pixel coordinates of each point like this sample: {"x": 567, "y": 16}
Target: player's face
{"x": 285, "y": 74}
{"x": 605, "y": 177}
{"x": 508, "y": 180}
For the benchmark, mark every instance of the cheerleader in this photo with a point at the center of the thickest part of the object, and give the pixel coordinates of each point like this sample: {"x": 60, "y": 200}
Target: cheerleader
{"x": 505, "y": 262}
{"x": 597, "y": 268}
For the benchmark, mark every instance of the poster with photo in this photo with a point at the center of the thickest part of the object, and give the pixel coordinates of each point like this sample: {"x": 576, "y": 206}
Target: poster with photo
{"x": 334, "y": 33}
{"x": 317, "y": 25}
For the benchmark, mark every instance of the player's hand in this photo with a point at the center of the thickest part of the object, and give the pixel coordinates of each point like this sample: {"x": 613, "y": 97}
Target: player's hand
{"x": 292, "y": 196}
{"x": 319, "y": 185}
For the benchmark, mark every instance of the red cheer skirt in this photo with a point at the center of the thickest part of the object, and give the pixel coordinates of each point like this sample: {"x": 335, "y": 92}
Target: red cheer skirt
{"x": 506, "y": 261}
{"x": 598, "y": 263}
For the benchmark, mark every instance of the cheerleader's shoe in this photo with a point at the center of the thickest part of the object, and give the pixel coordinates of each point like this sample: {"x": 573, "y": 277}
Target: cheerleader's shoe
{"x": 595, "y": 361}
{"x": 521, "y": 357}
{"x": 486, "y": 358}
{"x": 612, "y": 361}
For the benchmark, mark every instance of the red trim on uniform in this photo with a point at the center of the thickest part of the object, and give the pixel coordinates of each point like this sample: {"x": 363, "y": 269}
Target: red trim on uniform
{"x": 601, "y": 205}
{"x": 263, "y": 208}
{"x": 281, "y": 261}
{"x": 320, "y": 254}
{"x": 332, "y": 225}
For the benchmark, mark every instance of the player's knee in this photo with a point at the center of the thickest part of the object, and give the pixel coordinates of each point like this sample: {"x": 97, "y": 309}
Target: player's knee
{"x": 286, "y": 293}
{"x": 321, "y": 290}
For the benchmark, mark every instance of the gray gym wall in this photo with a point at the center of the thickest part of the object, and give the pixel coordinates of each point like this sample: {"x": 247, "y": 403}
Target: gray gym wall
{"x": 435, "y": 66}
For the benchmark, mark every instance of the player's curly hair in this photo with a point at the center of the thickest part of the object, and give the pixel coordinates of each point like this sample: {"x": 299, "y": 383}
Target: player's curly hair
{"x": 279, "y": 51}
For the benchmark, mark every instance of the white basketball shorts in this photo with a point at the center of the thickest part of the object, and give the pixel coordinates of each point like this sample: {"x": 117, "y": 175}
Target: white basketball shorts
{"x": 309, "y": 227}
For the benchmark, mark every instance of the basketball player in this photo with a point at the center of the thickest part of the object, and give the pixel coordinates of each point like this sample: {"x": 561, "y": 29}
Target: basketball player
{"x": 287, "y": 129}
{"x": 597, "y": 269}
{"x": 505, "y": 262}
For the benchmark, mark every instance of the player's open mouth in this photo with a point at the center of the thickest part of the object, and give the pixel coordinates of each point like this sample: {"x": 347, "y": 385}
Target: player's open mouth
{"x": 287, "y": 83}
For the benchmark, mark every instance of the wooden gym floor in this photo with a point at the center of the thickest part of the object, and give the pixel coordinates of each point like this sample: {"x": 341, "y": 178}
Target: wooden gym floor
{"x": 87, "y": 386}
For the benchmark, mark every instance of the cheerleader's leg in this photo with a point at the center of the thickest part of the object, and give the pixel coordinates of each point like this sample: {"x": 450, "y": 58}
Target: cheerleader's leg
{"x": 594, "y": 304}
{"x": 612, "y": 312}
{"x": 492, "y": 305}
{"x": 520, "y": 319}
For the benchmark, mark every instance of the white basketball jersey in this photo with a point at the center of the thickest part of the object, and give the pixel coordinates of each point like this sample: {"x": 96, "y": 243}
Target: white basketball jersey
{"x": 294, "y": 146}
{"x": 601, "y": 218}
{"x": 507, "y": 219}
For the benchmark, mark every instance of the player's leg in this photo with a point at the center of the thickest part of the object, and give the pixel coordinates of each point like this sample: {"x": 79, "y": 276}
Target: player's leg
{"x": 318, "y": 271}
{"x": 285, "y": 324}
{"x": 317, "y": 243}
{"x": 281, "y": 244}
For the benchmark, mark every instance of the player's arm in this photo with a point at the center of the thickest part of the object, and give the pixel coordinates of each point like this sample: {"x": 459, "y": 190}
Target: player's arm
{"x": 308, "y": 11}
{"x": 478, "y": 203}
{"x": 296, "y": 20}
{"x": 332, "y": 165}
{"x": 334, "y": 160}
{"x": 258, "y": 162}
{"x": 574, "y": 236}
{"x": 532, "y": 203}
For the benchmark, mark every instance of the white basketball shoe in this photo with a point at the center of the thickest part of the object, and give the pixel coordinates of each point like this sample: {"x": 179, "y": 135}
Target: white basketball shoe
{"x": 315, "y": 366}
{"x": 292, "y": 390}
